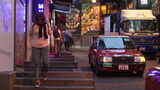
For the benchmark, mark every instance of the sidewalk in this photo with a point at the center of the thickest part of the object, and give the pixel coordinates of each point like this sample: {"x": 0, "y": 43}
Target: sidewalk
{"x": 81, "y": 49}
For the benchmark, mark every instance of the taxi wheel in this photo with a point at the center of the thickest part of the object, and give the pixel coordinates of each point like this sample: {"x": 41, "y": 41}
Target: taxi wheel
{"x": 89, "y": 59}
{"x": 97, "y": 71}
{"x": 91, "y": 65}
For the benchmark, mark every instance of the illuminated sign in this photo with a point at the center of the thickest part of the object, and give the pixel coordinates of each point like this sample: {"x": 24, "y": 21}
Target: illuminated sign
{"x": 137, "y": 15}
{"x": 40, "y": 7}
{"x": 144, "y": 2}
{"x": 103, "y": 9}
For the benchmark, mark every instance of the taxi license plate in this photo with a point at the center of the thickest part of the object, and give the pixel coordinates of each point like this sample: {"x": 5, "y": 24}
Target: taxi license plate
{"x": 123, "y": 67}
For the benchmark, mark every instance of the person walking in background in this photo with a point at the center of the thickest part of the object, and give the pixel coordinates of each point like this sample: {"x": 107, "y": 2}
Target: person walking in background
{"x": 39, "y": 36}
{"x": 68, "y": 41}
{"x": 58, "y": 39}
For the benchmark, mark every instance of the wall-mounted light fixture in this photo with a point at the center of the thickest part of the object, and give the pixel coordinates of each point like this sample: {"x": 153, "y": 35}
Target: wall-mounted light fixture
{"x": 94, "y": 1}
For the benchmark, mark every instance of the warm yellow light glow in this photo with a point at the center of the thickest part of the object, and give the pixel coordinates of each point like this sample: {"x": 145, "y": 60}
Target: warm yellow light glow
{"x": 143, "y": 59}
{"x": 103, "y": 9}
{"x": 93, "y": 1}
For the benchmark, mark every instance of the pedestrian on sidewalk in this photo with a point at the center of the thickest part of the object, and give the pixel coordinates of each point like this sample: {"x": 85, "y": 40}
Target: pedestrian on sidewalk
{"x": 58, "y": 39}
{"x": 39, "y": 35}
{"x": 68, "y": 41}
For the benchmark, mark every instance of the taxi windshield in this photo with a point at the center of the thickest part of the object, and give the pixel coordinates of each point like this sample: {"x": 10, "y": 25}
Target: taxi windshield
{"x": 118, "y": 43}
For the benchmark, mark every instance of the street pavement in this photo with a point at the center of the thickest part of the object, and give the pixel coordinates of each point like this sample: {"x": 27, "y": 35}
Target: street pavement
{"x": 115, "y": 81}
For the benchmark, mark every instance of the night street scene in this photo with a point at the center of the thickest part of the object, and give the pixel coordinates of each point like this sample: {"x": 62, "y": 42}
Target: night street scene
{"x": 80, "y": 44}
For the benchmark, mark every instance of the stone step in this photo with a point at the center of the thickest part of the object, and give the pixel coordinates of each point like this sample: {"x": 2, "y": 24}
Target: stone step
{"x": 30, "y": 87}
{"x": 53, "y": 68}
{"x": 54, "y": 59}
{"x": 63, "y": 58}
{"x": 56, "y": 81}
{"x": 61, "y": 74}
{"x": 53, "y": 65}
{"x": 64, "y": 64}
{"x": 57, "y": 65}
{"x": 63, "y": 53}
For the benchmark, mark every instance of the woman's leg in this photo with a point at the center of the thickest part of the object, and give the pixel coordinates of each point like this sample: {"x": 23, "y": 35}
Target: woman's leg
{"x": 65, "y": 44}
{"x": 56, "y": 46}
{"x": 59, "y": 47}
{"x": 44, "y": 54}
{"x": 68, "y": 45}
{"x": 36, "y": 58}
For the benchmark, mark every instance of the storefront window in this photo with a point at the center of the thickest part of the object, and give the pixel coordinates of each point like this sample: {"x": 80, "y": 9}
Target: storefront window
{"x": 73, "y": 19}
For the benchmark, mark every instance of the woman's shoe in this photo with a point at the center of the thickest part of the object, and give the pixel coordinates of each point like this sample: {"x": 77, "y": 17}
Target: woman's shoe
{"x": 45, "y": 78}
{"x": 44, "y": 75}
{"x": 37, "y": 83}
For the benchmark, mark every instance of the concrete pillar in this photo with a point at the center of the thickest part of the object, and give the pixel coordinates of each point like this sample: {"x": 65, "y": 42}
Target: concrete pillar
{"x": 29, "y": 26}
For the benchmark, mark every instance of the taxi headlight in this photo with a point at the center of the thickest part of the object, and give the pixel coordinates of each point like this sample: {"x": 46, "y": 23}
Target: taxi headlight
{"x": 106, "y": 59}
{"x": 139, "y": 59}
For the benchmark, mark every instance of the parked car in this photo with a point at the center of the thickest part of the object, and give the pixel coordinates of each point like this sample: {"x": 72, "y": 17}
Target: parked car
{"x": 152, "y": 79}
{"x": 115, "y": 54}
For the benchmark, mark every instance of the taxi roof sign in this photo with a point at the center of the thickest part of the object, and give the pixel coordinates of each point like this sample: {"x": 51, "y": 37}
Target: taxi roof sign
{"x": 137, "y": 15}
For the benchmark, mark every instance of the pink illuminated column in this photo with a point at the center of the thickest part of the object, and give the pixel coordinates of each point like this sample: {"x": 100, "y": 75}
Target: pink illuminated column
{"x": 46, "y": 10}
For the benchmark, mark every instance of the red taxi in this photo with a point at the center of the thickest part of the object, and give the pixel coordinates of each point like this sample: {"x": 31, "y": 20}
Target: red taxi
{"x": 115, "y": 54}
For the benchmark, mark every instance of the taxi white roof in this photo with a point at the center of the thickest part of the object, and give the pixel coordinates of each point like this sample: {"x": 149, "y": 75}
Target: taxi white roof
{"x": 111, "y": 34}
{"x": 101, "y": 36}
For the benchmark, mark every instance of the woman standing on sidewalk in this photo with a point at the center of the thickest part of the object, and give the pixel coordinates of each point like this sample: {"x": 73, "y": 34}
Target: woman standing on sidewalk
{"x": 39, "y": 36}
